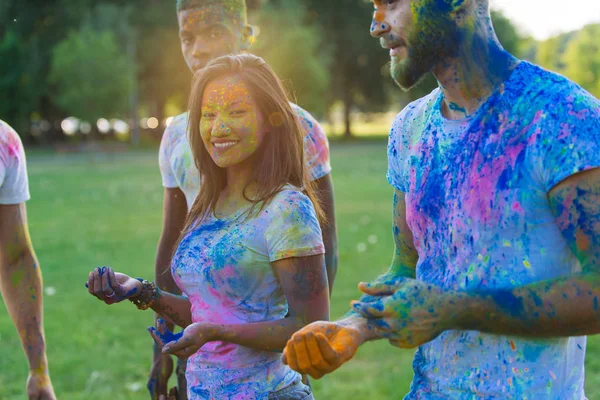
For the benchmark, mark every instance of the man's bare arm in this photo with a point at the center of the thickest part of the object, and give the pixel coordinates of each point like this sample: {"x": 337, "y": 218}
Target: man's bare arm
{"x": 174, "y": 214}
{"x": 324, "y": 188}
{"x": 21, "y": 287}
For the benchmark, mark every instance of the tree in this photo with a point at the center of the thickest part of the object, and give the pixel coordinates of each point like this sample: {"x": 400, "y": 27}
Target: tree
{"x": 92, "y": 75}
{"x": 356, "y": 59}
{"x": 291, "y": 48}
{"x": 28, "y": 32}
{"x": 581, "y": 59}
{"x": 162, "y": 74}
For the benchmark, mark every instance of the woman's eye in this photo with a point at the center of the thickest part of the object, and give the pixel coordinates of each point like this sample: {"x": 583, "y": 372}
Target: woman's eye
{"x": 238, "y": 112}
{"x": 208, "y": 115}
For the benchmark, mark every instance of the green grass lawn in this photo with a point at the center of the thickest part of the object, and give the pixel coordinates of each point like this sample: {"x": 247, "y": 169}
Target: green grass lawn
{"x": 89, "y": 211}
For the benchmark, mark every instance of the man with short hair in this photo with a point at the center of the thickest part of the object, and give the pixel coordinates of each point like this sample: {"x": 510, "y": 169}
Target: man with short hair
{"x": 20, "y": 274}
{"x": 209, "y": 29}
{"x": 496, "y": 272}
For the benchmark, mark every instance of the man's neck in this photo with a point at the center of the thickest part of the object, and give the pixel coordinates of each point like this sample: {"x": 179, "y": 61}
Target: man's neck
{"x": 467, "y": 81}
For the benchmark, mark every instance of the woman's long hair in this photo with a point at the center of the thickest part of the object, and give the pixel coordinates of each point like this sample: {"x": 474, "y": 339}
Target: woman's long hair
{"x": 278, "y": 161}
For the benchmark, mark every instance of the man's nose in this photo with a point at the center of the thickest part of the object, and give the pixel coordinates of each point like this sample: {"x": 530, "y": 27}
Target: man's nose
{"x": 379, "y": 26}
{"x": 201, "y": 49}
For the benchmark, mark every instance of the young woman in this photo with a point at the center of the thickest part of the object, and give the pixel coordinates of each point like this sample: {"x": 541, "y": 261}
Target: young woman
{"x": 251, "y": 258}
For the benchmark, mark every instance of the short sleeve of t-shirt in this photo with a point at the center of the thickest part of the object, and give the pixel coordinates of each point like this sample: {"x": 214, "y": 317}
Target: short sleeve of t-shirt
{"x": 316, "y": 145}
{"x": 164, "y": 157}
{"x": 14, "y": 186}
{"x": 570, "y": 137}
{"x": 396, "y": 148}
{"x": 293, "y": 229}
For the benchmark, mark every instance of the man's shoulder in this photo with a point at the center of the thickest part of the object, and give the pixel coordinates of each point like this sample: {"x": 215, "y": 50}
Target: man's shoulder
{"x": 415, "y": 111}
{"x": 551, "y": 90}
{"x": 174, "y": 133}
{"x": 9, "y": 139}
{"x": 305, "y": 117}
{"x": 178, "y": 125}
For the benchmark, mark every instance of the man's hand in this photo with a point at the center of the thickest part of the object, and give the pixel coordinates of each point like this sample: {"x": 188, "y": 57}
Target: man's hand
{"x": 162, "y": 368}
{"x": 39, "y": 386}
{"x": 409, "y": 312}
{"x": 322, "y": 347}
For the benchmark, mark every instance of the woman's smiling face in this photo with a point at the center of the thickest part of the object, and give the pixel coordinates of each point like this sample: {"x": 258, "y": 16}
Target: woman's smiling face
{"x": 231, "y": 125}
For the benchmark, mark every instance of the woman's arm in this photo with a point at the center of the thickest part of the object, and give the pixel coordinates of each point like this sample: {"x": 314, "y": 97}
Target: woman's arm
{"x": 176, "y": 309}
{"x": 304, "y": 282}
{"x": 113, "y": 287}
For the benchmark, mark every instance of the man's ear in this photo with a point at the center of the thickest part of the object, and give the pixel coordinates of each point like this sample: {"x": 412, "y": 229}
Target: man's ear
{"x": 249, "y": 35}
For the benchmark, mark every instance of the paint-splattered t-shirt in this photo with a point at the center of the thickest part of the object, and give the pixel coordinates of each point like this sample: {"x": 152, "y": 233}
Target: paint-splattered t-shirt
{"x": 476, "y": 193}
{"x": 177, "y": 163}
{"x": 224, "y": 267}
{"x": 14, "y": 188}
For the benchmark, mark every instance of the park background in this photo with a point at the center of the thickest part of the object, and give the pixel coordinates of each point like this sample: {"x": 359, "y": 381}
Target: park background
{"x": 91, "y": 85}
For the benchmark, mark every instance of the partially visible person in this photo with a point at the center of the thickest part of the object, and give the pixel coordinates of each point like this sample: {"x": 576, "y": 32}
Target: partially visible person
{"x": 209, "y": 29}
{"x": 20, "y": 275}
{"x": 250, "y": 260}
{"x": 496, "y": 220}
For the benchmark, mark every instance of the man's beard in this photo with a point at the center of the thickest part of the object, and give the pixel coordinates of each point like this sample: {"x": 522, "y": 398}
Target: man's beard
{"x": 432, "y": 42}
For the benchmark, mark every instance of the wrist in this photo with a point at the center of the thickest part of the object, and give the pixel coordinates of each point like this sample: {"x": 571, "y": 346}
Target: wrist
{"x": 40, "y": 370}
{"x": 145, "y": 297}
{"x": 359, "y": 324}
{"x": 464, "y": 309}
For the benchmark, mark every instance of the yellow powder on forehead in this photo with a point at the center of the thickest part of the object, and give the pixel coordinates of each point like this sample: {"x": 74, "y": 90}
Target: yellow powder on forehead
{"x": 236, "y": 8}
{"x": 225, "y": 91}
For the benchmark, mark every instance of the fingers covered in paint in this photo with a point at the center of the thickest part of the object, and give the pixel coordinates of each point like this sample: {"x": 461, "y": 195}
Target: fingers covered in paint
{"x": 111, "y": 287}
{"x": 321, "y": 348}
{"x": 380, "y": 288}
{"x": 184, "y": 344}
{"x": 369, "y": 310}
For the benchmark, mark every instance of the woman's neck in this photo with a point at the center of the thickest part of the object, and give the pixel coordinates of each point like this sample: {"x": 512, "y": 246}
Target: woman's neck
{"x": 238, "y": 191}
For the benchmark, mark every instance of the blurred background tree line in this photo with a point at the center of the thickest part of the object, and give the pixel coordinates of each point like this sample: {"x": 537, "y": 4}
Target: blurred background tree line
{"x": 115, "y": 66}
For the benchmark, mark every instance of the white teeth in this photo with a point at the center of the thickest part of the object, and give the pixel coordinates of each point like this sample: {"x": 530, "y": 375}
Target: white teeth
{"x": 223, "y": 145}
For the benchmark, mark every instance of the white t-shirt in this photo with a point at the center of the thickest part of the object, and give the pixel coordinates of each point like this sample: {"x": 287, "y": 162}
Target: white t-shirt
{"x": 14, "y": 187}
{"x": 224, "y": 267}
{"x": 476, "y": 193}
{"x": 177, "y": 162}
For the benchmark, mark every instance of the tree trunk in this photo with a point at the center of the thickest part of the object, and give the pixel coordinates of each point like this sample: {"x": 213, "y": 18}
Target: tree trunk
{"x": 347, "y": 109}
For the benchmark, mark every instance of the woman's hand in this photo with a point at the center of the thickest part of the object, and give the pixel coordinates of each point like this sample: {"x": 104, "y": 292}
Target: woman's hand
{"x": 186, "y": 343}
{"x": 112, "y": 287}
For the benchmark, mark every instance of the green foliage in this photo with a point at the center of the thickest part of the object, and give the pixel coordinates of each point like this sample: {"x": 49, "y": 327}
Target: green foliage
{"x": 358, "y": 63}
{"x": 92, "y": 75}
{"x": 582, "y": 59}
{"x": 162, "y": 74}
{"x": 19, "y": 81}
{"x": 291, "y": 47}
{"x": 507, "y": 33}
